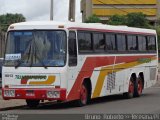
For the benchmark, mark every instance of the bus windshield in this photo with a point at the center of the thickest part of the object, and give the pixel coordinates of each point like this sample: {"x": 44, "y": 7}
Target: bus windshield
{"x": 36, "y": 48}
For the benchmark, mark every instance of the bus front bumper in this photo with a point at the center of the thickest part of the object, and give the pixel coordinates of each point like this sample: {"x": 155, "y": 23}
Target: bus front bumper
{"x": 35, "y": 94}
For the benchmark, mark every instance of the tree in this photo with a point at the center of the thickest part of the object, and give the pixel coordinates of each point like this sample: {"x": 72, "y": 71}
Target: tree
{"x": 93, "y": 19}
{"x": 131, "y": 20}
{"x": 157, "y": 28}
{"x": 117, "y": 20}
{"x": 7, "y": 19}
{"x": 137, "y": 20}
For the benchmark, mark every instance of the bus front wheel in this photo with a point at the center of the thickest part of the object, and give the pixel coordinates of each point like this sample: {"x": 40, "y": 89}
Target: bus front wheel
{"x": 83, "y": 96}
{"x": 32, "y": 103}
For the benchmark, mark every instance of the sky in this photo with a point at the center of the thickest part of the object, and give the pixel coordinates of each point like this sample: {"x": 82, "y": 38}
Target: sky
{"x": 39, "y": 10}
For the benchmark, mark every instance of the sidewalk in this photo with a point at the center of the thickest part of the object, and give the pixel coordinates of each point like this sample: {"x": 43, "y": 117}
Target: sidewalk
{"x": 10, "y": 103}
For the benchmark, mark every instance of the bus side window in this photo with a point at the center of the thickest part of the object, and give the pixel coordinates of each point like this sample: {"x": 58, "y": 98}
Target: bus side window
{"x": 151, "y": 43}
{"x": 72, "y": 47}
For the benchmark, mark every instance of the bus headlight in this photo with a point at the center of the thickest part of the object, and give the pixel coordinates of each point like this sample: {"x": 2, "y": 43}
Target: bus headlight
{"x": 9, "y": 93}
{"x": 53, "y": 94}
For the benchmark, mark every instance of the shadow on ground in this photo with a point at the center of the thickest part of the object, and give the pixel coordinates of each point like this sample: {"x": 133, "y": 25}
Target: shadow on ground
{"x": 69, "y": 105}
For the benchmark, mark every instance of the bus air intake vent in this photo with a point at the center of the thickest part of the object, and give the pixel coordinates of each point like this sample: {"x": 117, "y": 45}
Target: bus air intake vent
{"x": 111, "y": 81}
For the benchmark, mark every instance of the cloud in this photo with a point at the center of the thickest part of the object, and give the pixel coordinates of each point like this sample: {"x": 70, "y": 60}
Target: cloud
{"x": 38, "y": 9}
{"x": 29, "y": 8}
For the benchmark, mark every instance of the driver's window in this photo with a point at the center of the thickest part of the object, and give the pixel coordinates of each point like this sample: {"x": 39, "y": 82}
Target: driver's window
{"x": 72, "y": 49}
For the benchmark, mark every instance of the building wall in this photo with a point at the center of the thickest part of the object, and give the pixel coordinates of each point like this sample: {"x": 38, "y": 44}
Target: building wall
{"x": 105, "y": 8}
{"x": 86, "y": 9}
{"x": 158, "y": 6}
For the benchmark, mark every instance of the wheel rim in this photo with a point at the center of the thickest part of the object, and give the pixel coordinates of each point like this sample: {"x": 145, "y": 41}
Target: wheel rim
{"x": 139, "y": 87}
{"x": 131, "y": 87}
{"x": 83, "y": 95}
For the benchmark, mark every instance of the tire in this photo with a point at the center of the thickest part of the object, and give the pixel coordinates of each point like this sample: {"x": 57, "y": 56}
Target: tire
{"x": 32, "y": 103}
{"x": 131, "y": 88}
{"x": 138, "y": 87}
{"x": 84, "y": 96}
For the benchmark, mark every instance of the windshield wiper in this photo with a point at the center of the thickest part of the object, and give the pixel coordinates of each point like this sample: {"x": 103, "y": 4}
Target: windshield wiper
{"x": 36, "y": 49}
{"x": 25, "y": 53}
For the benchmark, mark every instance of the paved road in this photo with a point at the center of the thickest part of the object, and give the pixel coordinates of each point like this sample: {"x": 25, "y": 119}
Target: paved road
{"x": 149, "y": 102}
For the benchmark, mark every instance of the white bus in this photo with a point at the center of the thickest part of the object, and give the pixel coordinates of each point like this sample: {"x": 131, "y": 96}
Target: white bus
{"x": 77, "y": 61}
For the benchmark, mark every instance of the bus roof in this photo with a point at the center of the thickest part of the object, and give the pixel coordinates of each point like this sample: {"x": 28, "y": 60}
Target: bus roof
{"x": 80, "y": 26}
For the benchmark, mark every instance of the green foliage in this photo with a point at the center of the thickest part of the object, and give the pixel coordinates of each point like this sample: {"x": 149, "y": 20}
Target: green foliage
{"x": 93, "y": 19}
{"x": 158, "y": 35}
{"x": 7, "y": 19}
{"x": 137, "y": 20}
{"x": 117, "y": 20}
{"x": 131, "y": 20}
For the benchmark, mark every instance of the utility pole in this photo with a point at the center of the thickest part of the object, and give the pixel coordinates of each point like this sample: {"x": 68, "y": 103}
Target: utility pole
{"x": 72, "y": 8}
{"x": 51, "y": 11}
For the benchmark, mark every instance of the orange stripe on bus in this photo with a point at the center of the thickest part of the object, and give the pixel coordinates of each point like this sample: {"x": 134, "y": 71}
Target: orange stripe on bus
{"x": 108, "y": 70}
{"x": 49, "y": 81}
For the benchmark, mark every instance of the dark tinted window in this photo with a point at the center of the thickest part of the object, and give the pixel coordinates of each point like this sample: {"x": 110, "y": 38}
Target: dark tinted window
{"x": 142, "y": 43}
{"x": 99, "y": 41}
{"x": 72, "y": 49}
{"x": 84, "y": 41}
{"x": 110, "y": 42}
{"x": 151, "y": 43}
{"x": 132, "y": 42}
{"x": 121, "y": 42}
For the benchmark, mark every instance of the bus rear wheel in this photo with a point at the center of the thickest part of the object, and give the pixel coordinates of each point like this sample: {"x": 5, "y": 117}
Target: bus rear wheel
{"x": 32, "y": 103}
{"x": 138, "y": 87}
{"x": 131, "y": 88}
{"x": 83, "y": 96}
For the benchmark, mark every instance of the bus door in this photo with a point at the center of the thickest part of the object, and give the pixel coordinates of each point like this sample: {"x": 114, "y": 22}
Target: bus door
{"x": 72, "y": 60}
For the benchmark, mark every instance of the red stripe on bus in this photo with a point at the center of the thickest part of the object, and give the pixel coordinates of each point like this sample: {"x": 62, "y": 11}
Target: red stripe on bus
{"x": 86, "y": 72}
{"x": 93, "y": 62}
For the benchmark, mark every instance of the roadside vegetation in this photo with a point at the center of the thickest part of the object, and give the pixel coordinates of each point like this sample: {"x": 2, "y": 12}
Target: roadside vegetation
{"x": 7, "y": 19}
{"x": 131, "y": 20}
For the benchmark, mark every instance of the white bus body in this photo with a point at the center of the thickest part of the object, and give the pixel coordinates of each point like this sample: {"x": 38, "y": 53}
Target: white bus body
{"x": 88, "y": 70}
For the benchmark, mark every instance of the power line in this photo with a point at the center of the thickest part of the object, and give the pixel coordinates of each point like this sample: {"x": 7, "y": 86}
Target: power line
{"x": 133, "y": 6}
{"x": 120, "y": 8}
{"x": 112, "y": 6}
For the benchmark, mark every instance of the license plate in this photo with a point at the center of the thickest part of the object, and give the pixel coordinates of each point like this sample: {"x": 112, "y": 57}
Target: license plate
{"x": 29, "y": 93}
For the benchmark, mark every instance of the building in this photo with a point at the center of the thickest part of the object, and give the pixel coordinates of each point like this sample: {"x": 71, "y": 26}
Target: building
{"x": 106, "y": 8}
{"x": 158, "y": 6}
